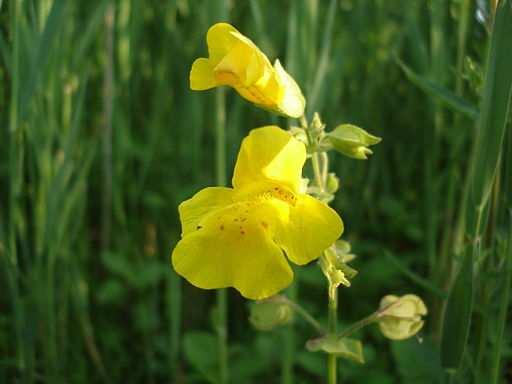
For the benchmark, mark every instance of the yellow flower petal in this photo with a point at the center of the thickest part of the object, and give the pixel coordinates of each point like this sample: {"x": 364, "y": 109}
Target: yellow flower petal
{"x": 234, "y": 248}
{"x": 201, "y": 75}
{"x": 220, "y": 39}
{"x": 240, "y": 67}
{"x": 292, "y": 102}
{"x": 270, "y": 154}
{"x": 312, "y": 226}
{"x": 193, "y": 210}
{"x": 235, "y": 61}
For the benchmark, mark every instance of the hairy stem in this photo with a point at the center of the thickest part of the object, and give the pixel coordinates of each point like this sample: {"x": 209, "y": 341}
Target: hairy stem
{"x": 222, "y": 305}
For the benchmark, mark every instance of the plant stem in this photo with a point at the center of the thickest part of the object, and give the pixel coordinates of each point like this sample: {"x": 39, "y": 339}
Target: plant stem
{"x": 320, "y": 174}
{"x": 317, "y": 171}
{"x": 502, "y": 316}
{"x": 220, "y": 163}
{"x": 15, "y": 167}
{"x": 305, "y": 314}
{"x": 332, "y": 327}
{"x": 360, "y": 324}
{"x": 287, "y": 376}
{"x": 108, "y": 95}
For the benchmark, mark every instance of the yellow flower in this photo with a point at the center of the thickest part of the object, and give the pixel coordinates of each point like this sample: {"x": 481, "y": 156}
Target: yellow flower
{"x": 238, "y": 237}
{"x": 236, "y": 61}
{"x": 401, "y": 317}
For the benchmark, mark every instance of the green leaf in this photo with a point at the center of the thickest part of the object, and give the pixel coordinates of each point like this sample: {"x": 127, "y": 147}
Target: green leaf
{"x": 201, "y": 352}
{"x": 495, "y": 109}
{"x": 487, "y": 150}
{"x": 417, "y": 362}
{"x": 50, "y": 34}
{"x": 347, "y": 348}
{"x": 458, "y": 316}
{"x": 450, "y": 99}
{"x": 422, "y": 282}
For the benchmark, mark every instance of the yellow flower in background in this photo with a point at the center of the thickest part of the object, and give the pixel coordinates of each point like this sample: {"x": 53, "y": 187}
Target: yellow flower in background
{"x": 238, "y": 237}
{"x": 236, "y": 61}
{"x": 401, "y": 317}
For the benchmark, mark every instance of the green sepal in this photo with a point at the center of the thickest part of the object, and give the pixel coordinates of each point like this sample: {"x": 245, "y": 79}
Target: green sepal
{"x": 343, "y": 347}
{"x": 348, "y": 271}
{"x": 343, "y": 250}
{"x": 351, "y": 141}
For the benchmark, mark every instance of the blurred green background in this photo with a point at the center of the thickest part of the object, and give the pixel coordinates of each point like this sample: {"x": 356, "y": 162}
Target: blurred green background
{"x": 101, "y": 139}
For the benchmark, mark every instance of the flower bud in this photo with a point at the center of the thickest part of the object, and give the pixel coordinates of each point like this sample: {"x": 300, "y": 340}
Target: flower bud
{"x": 333, "y": 183}
{"x": 401, "y": 317}
{"x": 352, "y": 141}
{"x": 270, "y": 313}
{"x": 316, "y": 123}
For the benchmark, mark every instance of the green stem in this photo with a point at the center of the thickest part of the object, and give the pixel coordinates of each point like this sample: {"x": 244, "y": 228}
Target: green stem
{"x": 287, "y": 376}
{"x": 15, "y": 167}
{"x": 305, "y": 315}
{"x": 315, "y": 161}
{"x": 320, "y": 165}
{"x": 502, "y": 316}
{"x": 358, "y": 325}
{"x": 332, "y": 328}
{"x": 220, "y": 164}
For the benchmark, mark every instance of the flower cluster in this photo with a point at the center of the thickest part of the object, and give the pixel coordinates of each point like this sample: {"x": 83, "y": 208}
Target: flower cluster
{"x": 245, "y": 236}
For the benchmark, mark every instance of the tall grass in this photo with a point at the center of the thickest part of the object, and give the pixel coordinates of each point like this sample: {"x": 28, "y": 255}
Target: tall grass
{"x": 101, "y": 139}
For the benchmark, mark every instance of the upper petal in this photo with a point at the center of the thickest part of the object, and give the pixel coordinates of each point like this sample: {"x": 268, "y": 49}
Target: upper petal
{"x": 234, "y": 248}
{"x": 201, "y": 75}
{"x": 241, "y": 66}
{"x": 206, "y": 201}
{"x": 270, "y": 154}
{"x": 292, "y": 102}
{"x": 220, "y": 40}
{"x": 312, "y": 226}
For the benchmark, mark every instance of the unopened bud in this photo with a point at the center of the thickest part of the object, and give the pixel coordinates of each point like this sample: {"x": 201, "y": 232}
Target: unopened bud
{"x": 401, "y": 317}
{"x": 333, "y": 183}
{"x": 316, "y": 123}
{"x": 352, "y": 141}
{"x": 270, "y": 313}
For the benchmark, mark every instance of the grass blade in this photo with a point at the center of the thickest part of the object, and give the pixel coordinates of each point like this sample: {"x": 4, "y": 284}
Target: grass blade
{"x": 52, "y": 26}
{"x": 487, "y": 150}
{"x": 504, "y": 305}
{"x": 448, "y": 98}
{"x": 495, "y": 110}
{"x": 458, "y": 316}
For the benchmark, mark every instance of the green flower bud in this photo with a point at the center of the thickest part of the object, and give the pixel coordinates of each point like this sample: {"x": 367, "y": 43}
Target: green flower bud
{"x": 351, "y": 141}
{"x": 270, "y": 313}
{"x": 401, "y": 317}
{"x": 333, "y": 183}
{"x": 316, "y": 123}
{"x": 334, "y": 271}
